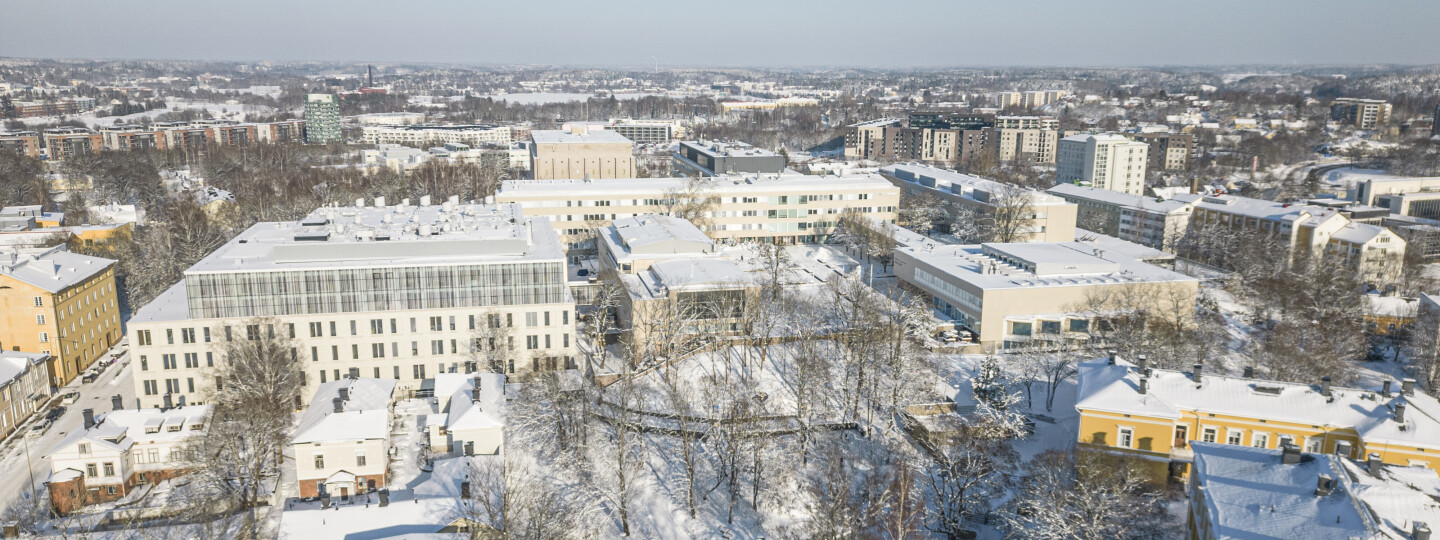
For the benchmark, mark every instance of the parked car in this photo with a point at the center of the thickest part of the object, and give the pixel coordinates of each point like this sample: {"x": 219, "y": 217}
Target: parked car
{"x": 54, "y": 414}
{"x": 89, "y": 377}
{"x": 39, "y": 428}
{"x": 70, "y": 398}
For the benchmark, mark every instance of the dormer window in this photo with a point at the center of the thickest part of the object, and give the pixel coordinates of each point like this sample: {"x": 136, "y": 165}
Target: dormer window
{"x": 84, "y": 448}
{"x": 173, "y": 429}
{"x": 152, "y": 429}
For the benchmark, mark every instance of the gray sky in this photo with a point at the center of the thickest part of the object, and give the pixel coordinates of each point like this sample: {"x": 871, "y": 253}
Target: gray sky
{"x": 869, "y": 33}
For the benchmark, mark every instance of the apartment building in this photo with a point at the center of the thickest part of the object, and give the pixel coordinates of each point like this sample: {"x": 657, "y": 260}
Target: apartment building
{"x": 116, "y": 452}
{"x": 61, "y": 304}
{"x": 1148, "y": 221}
{"x": 1168, "y": 151}
{"x": 378, "y": 291}
{"x": 322, "y": 119}
{"x": 25, "y": 143}
{"x": 1152, "y": 415}
{"x": 1017, "y": 295}
{"x": 24, "y": 387}
{"x": 342, "y": 444}
{"x": 714, "y": 158}
{"x": 638, "y": 131}
{"x": 866, "y": 140}
{"x": 1104, "y": 161}
{"x": 672, "y": 274}
{"x": 1375, "y": 252}
{"x": 784, "y": 208}
{"x": 580, "y": 153}
{"x": 1361, "y": 113}
{"x": 1233, "y": 489}
{"x": 427, "y": 135}
{"x": 1030, "y": 99}
{"x": 68, "y": 142}
{"x": 1047, "y": 218}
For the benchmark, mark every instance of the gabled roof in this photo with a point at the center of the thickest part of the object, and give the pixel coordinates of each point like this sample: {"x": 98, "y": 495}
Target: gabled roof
{"x": 365, "y": 412}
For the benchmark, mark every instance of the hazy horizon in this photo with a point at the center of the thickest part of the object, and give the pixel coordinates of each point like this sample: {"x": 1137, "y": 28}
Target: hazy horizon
{"x": 739, "y": 33}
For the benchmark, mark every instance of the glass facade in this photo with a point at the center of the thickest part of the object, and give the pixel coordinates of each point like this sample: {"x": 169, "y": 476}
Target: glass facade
{"x": 352, "y": 290}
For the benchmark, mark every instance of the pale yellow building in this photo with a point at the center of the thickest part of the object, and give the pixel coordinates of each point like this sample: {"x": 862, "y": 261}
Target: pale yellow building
{"x": 1152, "y": 415}
{"x": 581, "y": 153}
{"x": 1047, "y": 218}
{"x": 59, "y": 303}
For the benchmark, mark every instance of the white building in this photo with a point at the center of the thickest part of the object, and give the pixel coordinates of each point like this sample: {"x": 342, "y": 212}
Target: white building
{"x": 393, "y": 291}
{"x": 1148, "y": 221}
{"x": 342, "y": 445}
{"x": 471, "y": 414}
{"x": 426, "y": 135}
{"x": 116, "y": 213}
{"x": 1105, "y": 161}
{"x": 119, "y": 451}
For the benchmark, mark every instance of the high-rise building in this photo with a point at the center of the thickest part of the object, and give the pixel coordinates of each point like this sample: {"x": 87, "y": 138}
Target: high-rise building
{"x": 322, "y": 119}
{"x": 1361, "y": 113}
{"x": 399, "y": 292}
{"x": 1105, "y": 161}
{"x": 1168, "y": 151}
{"x": 1435, "y": 123}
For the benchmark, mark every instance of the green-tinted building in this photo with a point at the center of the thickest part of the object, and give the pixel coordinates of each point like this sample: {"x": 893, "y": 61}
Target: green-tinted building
{"x": 322, "y": 119}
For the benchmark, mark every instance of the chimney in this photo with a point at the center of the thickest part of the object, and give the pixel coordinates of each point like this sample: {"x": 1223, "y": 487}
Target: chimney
{"x": 1249, "y": 372}
{"x": 1141, "y": 363}
{"x": 1325, "y": 386}
{"x": 1144, "y": 386}
{"x": 1400, "y": 412}
{"x": 1324, "y": 485}
{"x": 1111, "y": 358}
{"x": 1407, "y": 387}
{"x": 169, "y": 404}
{"x": 117, "y": 402}
{"x": 12, "y": 528}
{"x": 1421, "y": 532}
{"x": 1196, "y": 374}
{"x": 465, "y": 489}
{"x": 1289, "y": 454}
{"x": 339, "y": 405}
{"x": 379, "y": 202}
{"x": 344, "y": 393}
{"x": 1372, "y": 464}
{"x": 475, "y": 389}
{"x": 89, "y": 418}
{"x": 1385, "y": 389}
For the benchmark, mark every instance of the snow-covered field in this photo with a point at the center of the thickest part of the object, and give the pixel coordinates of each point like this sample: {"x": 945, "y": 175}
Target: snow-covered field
{"x": 543, "y": 98}
{"x": 218, "y": 110}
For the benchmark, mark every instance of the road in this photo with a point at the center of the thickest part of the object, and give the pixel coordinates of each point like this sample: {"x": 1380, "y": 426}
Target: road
{"x": 118, "y": 379}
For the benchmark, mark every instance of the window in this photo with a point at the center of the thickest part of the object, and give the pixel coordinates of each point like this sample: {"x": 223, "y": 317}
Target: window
{"x": 531, "y": 319}
{"x": 452, "y": 322}
{"x": 435, "y": 324}
{"x": 187, "y": 335}
{"x": 144, "y": 336}
{"x": 44, "y": 337}
{"x": 1208, "y": 434}
{"x": 418, "y": 371}
{"x": 564, "y": 317}
{"x": 167, "y": 361}
{"x": 1259, "y": 440}
{"x": 316, "y": 329}
{"x": 209, "y": 359}
{"x": 1314, "y": 445}
{"x": 39, "y": 301}
{"x": 110, "y": 469}
{"x": 437, "y": 346}
{"x": 354, "y": 351}
{"x": 359, "y": 458}
{"x": 1020, "y": 328}
{"x": 1126, "y": 438}
{"x": 192, "y": 360}
{"x": 377, "y": 350}
{"x": 332, "y": 329}
{"x": 354, "y": 330}
{"x": 91, "y": 470}
{"x": 40, "y": 319}
{"x": 547, "y": 318}
{"x": 207, "y": 334}
{"x": 144, "y": 363}
{"x": 532, "y": 342}
{"x": 84, "y": 448}
{"x": 252, "y": 332}
{"x": 154, "y": 455}
{"x": 319, "y": 461}
{"x": 377, "y": 326}
{"x": 1234, "y": 436}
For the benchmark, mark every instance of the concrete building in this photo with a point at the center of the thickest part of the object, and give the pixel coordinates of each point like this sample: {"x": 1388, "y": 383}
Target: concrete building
{"x": 1148, "y": 221}
{"x": 24, "y": 387}
{"x": 638, "y": 131}
{"x": 786, "y": 208}
{"x": 389, "y": 119}
{"x": 58, "y": 303}
{"x": 1105, "y": 161}
{"x": 427, "y": 135}
{"x": 322, "y": 119}
{"x": 377, "y": 291}
{"x": 1016, "y": 295}
{"x": 67, "y": 142}
{"x": 581, "y": 153}
{"x": 25, "y": 143}
{"x": 1247, "y": 492}
{"x": 1153, "y": 415}
{"x": 1029, "y": 99}
{"x": 1168, "y": 151}
{"x": 116, "y": 452}
{"x": 1361, "y": 113}
{"x": 1047, "y": 218}
{"x": 716, "y": 158}
{"x": 1376, "y": 253}
{"x": 1406, "y": 196}
{"x": 672, "y": 275}
{"x": 866, "y": 140}
{"x": 342, "y": 444}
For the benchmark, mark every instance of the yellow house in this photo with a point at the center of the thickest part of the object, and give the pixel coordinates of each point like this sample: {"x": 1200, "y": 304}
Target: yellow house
{"x": 59, "y": 303}
{"x": 1153, "y": 415}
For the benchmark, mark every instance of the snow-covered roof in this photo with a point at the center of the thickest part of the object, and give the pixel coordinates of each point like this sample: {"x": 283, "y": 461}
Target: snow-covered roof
{"x": 639, "y": 232}
{"x": 1250, "y": 494}
{"x": 53, "y": 269}
{"x": 1126, "y": 200}
{"x": 969, "y": 186}
{"x": 1258, "y": 208}
{"x": 557, "y": 136}
{"x": 1115, "y": 388}
{"x": 642, "y": 188}
{"x": 1358, "y": 233}
{"x": 364, "y": 414}
{"x": 13, "y": 363}
{"x": 419, "y": 513}
{"x": 123, "y": 428}
{"x": 690, "y": 273}
{"x": 1036, "y": 264}
{"x": 1390, "y": 306}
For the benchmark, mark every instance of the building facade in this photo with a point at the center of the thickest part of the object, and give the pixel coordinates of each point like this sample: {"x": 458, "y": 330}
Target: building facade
{"x": 322, "y": 119}
{"x": 342, "y": 444}
{"x": 427, "y": 135}
{"x": 119, "y": 451}
{"x": 1148, "y": 221}
{"x": 25, "y": 143}
{"x": 1103, "y": 161}
{"x": 1168, "y": 151}
{"x": 714, "y": 158}
{"x": 399, "y": 292}
{"x": 580, "y": 153}
{"x": 61, "y": 304}
{"x": 65, "y": 143}
{"x": 24, "y": 387}
{"x": 1046, "y": 218}
{"x": 1361, "y": 113}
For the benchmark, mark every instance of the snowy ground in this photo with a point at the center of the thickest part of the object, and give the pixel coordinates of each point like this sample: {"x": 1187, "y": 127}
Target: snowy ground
{"x": 218, "y": 110}
{"x": 542, "y": 98}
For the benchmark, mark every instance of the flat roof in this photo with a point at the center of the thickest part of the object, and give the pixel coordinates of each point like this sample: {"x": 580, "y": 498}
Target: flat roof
{"x": 969, "y": 186}
{"x": 399, "y": 235}
{"x": 1038, "y": 264}
{"x": 597, "y": 136}
{"x": 727, "y": 149}
{"x": 617, "y": 188}
{"x": 1149, "y": 204}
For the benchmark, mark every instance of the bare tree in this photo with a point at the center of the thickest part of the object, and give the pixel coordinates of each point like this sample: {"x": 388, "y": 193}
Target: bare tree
{"x": 619, "y": 459}
{"x": 509, "y": 500}
{"x": 1092, "y": 496}
{"x": 967, "y": 473}
{"x": 491, "y": 342}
